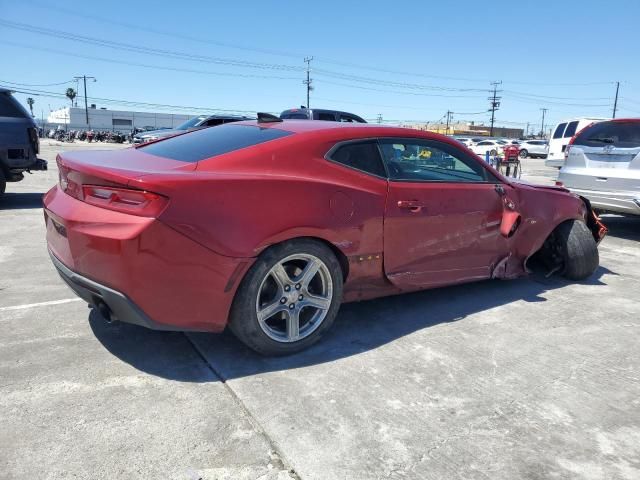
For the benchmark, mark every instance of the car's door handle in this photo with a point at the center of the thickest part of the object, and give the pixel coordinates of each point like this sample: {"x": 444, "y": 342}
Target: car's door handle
{"x": 411, "y": 205}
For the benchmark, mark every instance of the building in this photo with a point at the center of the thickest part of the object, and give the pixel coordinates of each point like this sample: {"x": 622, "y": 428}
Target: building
{"x": 467, "y": 129}
{"x": 73, "y": 118}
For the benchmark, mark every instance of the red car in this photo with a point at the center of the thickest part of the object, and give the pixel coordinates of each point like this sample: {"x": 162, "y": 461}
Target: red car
{"x": 268, "y": 226}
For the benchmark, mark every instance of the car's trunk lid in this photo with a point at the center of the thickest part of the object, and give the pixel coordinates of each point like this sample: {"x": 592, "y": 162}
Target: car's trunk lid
{"x": 115, "y": 167}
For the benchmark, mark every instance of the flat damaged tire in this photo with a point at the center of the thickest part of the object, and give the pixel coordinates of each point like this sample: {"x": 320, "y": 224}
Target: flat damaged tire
{"x": 578, "y": 249}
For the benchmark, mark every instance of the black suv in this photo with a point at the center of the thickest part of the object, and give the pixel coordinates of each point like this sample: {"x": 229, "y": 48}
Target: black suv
{"x": 19, "y": 143}
{"x": 303, "y": 113}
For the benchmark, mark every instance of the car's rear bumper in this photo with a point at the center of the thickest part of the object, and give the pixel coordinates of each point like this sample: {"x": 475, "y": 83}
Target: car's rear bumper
{"x": 619, "y": 202}
{"x": 119, "y": 307}
{"x": 554, "y": 162}
{"x": 145, "y": 271}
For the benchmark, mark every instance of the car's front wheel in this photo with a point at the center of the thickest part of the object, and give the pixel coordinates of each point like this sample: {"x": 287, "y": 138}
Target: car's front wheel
{"x": 288, "y": 299}
{"x": 577, "y": 249}
{"x": 523, "y": 153}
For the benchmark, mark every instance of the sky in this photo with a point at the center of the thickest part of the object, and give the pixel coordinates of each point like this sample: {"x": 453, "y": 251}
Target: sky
{"x": 403, "y": 60}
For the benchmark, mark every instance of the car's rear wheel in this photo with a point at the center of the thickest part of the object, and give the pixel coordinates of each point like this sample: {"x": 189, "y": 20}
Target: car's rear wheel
{"x": 577, "y": 248}
{"x": 493, "y": 153}
{"x": 523, "y": 153}
{"x": 288, "y": 299}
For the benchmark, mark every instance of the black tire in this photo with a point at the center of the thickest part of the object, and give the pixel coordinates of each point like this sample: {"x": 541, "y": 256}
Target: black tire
{"x": 523, "y": 153}
{"x": 243, "y": 319}
{"x": 493, "y": 153}
{"x": 578, "y": 250}
{"x": 3, "y": 183}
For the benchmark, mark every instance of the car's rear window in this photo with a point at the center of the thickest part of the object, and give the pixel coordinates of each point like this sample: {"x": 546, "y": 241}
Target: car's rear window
{"x": 571, "y": 129}
{"x": 209, "y": 142}
{"x": 617, "y": 134}
{"x": 559, "y": 130}
{"x": 9, "y": 107}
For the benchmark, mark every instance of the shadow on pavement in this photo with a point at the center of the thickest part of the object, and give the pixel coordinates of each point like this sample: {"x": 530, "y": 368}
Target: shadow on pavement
{"x": 17, "y": 201}
{"x": 625, "y": 227}
{"x": 359, "y": 327}
{"x": 168, "y": 355}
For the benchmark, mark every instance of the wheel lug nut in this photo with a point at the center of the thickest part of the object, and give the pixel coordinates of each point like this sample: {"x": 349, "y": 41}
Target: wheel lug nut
{"x": 283, "y": 300}
{"x": 287, "y": 288}
{"x": 300, "y": 297}
{"x": 298, "y": 286}
{"x": 291, "y": 306}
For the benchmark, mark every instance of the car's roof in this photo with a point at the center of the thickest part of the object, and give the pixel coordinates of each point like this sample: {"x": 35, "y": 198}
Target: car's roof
{"x": 347, "y": 128}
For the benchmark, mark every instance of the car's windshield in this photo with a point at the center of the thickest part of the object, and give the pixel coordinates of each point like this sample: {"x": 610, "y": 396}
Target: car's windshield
{"x": 190, "y": 123}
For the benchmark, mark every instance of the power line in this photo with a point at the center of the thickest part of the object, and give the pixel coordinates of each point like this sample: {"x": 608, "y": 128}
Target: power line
{"x": 144, "y": 65}
{"x": 145, "y": 50}
{"x": 37, "y": 84}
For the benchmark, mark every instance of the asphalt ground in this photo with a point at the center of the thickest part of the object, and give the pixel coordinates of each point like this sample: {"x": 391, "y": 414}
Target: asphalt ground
{"x": 536, "y": 378}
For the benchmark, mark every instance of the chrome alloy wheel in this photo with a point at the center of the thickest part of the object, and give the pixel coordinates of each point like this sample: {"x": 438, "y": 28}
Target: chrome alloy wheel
{"x": 294, "y": 298}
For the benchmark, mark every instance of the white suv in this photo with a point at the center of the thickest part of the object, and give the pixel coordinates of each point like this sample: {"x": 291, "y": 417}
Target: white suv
{"x": 534, "y": 148}
{"x": 561, "y": 136}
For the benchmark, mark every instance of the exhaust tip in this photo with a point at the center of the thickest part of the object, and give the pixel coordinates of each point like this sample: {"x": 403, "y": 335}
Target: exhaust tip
{"x": 105, "y": 311}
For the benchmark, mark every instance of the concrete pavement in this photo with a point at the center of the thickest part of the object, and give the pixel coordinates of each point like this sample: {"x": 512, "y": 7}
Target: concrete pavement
{"x": 535, "y": 378}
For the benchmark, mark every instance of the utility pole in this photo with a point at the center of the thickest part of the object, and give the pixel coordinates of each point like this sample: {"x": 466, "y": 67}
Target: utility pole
{"x": 379, "y": 119}
{"x": 308, "y": 81}
{"x": 494, "y": 104}
{"x": 86, "y": 107}
{"x": 615, "y": 103}
{"x": 526, "y": 132}
{"x": 544, "y": 111}
{"x": 449, "y": 118}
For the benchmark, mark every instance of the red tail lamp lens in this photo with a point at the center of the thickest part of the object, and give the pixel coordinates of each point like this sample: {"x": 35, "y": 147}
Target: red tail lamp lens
{"x": 133, "y": 202}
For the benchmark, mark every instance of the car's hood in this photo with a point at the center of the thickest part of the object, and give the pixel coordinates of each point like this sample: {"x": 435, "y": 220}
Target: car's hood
{"x": 519, "y": 181}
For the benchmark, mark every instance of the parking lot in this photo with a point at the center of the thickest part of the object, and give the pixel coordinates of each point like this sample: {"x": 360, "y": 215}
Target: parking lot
{"x": 535, "y": 378}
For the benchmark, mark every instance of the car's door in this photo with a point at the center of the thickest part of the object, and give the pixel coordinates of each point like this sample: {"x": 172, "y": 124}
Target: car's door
{"x": 443, "y": 215}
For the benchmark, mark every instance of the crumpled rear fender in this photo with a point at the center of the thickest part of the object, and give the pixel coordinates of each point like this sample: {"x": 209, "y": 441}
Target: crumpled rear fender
{"x": 598, "y": 229}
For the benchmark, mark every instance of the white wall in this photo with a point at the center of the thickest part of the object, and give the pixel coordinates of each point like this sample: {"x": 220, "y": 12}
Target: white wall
{"x": 74, "y": 118}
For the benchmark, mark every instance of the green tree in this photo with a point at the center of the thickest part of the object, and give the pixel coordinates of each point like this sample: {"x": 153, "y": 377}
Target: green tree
{"x": 30, "y": 102}
{"x": 71, "y": 95}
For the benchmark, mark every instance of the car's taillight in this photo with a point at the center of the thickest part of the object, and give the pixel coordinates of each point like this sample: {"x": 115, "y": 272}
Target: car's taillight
{"x": 559, "y": 183}
{"x": 133, "y": 202}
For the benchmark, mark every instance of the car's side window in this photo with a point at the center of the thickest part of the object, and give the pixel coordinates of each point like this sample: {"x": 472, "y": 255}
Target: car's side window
{"x": 430, "y": 161}
{"x": 363, "y": 156}
{"x": 327, "y": 117}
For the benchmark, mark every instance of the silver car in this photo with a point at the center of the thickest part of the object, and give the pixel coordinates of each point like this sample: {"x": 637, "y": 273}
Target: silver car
{"x": 603, "y": 164}
{"x": 534, "y": 148}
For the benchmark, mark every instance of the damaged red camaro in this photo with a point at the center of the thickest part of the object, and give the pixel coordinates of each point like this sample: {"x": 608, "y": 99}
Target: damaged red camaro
{"x": 268, "y": 226}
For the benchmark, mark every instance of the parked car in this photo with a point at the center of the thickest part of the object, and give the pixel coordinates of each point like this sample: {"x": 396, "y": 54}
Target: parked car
{"x": 465, "y": 141}
{"x": 494, "y": 147}
{"x": 19, "y": 141}
{"x": 303, "y": 113}
{"x": 191, "y": 124}
{"x": 561, "y": 136}
{"x": 266, "y": 227}
{"x": 603, "y": 165}
{"x": 533, "y": 148}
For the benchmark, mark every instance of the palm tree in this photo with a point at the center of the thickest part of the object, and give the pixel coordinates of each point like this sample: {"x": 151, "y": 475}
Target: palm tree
{"x": 71, "y": 95}
{"x": 30, "y": 102}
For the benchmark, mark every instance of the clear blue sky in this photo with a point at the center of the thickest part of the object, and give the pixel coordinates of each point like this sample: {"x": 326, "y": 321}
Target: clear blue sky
{"x": 406, "y": 60}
